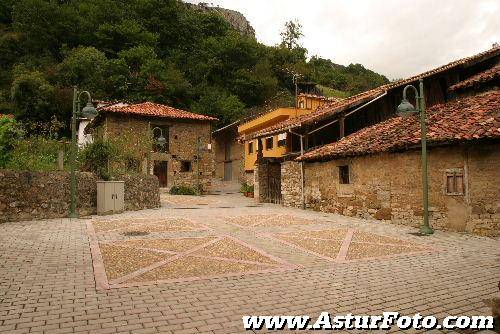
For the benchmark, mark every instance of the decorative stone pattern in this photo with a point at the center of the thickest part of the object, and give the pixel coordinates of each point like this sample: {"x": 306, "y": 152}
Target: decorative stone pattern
{"x": 26, "y": 195}
{"x": 388, "y": 186}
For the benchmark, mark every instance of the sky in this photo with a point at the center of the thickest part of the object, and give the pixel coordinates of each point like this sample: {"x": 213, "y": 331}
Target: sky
{"x": 393, "y": 37}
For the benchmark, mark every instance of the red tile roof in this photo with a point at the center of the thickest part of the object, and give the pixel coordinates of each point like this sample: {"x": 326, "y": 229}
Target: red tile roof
{"x": 475, "y": 117}
{"x": 330, "y": 109}
{"x": 7, "y": 115}
{"x": 485, "y": 76}
{"x": 155, "y": 110}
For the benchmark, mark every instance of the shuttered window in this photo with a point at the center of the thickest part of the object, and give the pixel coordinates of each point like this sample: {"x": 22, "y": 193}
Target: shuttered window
{"x": 454, "y": 182}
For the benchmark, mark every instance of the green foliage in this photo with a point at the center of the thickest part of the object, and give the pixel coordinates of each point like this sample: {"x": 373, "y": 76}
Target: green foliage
{"x": 291, "y": 34}
{"x": 10, "y": 133}
{"x": 182, "y": 190}
{"x": 84, "y": 66}
{"x": 36, "y": 153}
{"x": 158, "y": 50}
{"x": 246, "y": 188}
{"x": 32, "y": 95}
{"x": 96, "y": 156}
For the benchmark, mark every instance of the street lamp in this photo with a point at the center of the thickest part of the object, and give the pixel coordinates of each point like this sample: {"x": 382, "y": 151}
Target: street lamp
{"x": 405, "y": 109}
{"x": 161, "y": 140}
{"x": 88, "y": 112}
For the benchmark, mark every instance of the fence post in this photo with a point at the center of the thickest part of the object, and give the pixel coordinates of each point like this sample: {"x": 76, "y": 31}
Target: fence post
{"x": 60, "y": 160}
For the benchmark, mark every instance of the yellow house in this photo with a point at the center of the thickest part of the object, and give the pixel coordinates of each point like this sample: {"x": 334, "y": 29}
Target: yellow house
{"x": 275, "y": 146}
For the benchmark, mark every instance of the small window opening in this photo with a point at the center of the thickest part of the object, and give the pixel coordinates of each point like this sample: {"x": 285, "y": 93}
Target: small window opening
{"x": 344, "y": 175}
{"x": 250, "y": 147}
{"x": 454, "y": 182}
{"x": 185, "y": 166}
{"x": 269, "y": 143}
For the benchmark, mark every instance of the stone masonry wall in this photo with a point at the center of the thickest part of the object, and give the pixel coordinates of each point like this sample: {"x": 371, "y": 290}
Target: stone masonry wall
{"x": 182, "y": 143}
{"x": 389, "y": 187}
{"x": 263, "y": 172}
{"x": 290, "y": 184}
{"x": 27, "y": 195}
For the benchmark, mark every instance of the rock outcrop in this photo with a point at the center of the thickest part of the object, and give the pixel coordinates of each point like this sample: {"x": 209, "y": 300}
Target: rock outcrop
{"x": 237, "y": 20}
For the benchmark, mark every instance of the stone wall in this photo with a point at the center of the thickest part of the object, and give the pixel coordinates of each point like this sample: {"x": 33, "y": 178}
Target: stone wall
{"x": 27, "y": 195}
{"x": 290, "y": 184}
{"x": 388, "y": 187}
{"x": 182, "y": 146}
{"x": 263, "y": 172}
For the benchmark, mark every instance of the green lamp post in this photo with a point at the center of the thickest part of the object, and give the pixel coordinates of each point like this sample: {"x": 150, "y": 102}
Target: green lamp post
{"x": 88, "y": 112}
{"x": 405, "y": 109}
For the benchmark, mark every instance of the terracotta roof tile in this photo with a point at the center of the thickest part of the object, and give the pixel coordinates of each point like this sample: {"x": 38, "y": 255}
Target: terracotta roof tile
{"x": 467, "y": 119}
{"x": 155, "y": 110}
{"x": 6, "y": 115}
{"x": 330, "y": 109}
{"x": 485, "y": 76}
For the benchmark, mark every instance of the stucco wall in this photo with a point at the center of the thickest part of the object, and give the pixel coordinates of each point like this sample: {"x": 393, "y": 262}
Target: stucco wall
{"x": 236, "y": 157}
{"x": 27, "y": 195}
{"x": 389, "y": 187}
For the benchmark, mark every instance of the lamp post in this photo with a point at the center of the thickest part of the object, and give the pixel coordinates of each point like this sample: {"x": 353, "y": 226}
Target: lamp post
{"x": 161, "y": 140}
{"x": 88, "y": 112}
{"x": 405, "y": 109}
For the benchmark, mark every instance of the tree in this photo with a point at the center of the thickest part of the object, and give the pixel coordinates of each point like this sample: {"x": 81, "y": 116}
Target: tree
{"x": 32, "y": 94}
{"x": 291, "y": 34}
{"x": 84, "y": 66}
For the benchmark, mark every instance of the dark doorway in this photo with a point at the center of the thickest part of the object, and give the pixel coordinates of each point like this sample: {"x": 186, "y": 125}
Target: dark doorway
{"x": 228, "y": 171}
{"x": 160, "y": 170}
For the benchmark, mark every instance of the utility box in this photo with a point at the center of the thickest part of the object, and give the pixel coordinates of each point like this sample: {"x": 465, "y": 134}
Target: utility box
{"x": 110, "y": 197}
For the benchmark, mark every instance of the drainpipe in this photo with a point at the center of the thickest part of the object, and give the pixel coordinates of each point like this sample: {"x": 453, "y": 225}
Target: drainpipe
{"x": 303, "y": 201}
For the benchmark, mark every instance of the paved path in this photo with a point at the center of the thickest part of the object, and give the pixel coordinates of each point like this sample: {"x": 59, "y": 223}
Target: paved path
{"x": 47, "y": 282}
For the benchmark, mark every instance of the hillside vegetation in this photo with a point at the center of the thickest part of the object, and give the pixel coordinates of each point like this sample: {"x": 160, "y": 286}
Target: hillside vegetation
{"x": 158, "y": 50}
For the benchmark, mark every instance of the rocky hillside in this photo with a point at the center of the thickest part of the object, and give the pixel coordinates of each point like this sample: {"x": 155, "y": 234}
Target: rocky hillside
{"x": 237, "y": 20}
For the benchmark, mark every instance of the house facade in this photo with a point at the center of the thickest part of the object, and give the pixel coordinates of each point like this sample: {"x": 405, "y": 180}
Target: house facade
{"x": 275, "y": 145}
{"x": 371, "y": 167}
{"x": 186, "y": 159}
{"x": 229, "y": 155}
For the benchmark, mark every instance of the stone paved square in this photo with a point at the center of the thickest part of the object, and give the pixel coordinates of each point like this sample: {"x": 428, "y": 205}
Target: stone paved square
{"x": 200, "y": 270}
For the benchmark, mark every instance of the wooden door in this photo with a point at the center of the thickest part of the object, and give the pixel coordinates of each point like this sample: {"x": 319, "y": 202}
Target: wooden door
{"x": 228, "y": 171}
{"x": 160, "y": 170}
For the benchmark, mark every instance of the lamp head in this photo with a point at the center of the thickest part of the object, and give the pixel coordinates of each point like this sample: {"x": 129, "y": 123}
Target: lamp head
{"x": 405, "y": 109}
{"x": 89, "y": 111}
{"x": 161, "y": 141}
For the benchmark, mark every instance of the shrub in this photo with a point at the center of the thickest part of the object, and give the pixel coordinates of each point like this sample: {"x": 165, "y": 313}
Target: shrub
{"x": 96, "y": 156}
{"x": 10, "y": 134}
{"x": 182, "y": 190}
{"x": 246, "y": 188}
{"x": 34, "y": 153}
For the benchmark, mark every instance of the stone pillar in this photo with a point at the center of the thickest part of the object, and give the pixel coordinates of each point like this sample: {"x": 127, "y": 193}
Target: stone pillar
{"x": 260, "y": 181}
{"x": 290, "y": 184}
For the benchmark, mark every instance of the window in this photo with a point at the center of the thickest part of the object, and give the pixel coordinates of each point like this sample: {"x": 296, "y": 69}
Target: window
{"x": 250, "y": 147}
{"x": 185, "y": 166}
{"x": 454, "y": 181}
{"x": 269, "y": 143}
{"x": 344, "y": 175}
{"x": 282, "y": 139}
{"x": 156, "y": 135}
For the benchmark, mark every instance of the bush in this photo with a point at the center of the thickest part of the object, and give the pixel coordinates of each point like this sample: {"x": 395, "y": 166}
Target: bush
{"x": 34, "y": 153}
{"x": 96, "y": 156}
{"x": 246, "y": 188}
{"x": 10, "y": 134}
{"x": 182, "y": 190}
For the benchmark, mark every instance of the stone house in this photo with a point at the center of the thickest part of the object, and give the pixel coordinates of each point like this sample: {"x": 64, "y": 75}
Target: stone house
{"x": 371, "y": 167}
{"x": 187, "y": 157}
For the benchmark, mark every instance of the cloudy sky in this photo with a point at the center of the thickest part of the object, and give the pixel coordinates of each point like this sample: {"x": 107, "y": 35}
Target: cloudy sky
{"x": 397, "y": 38}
